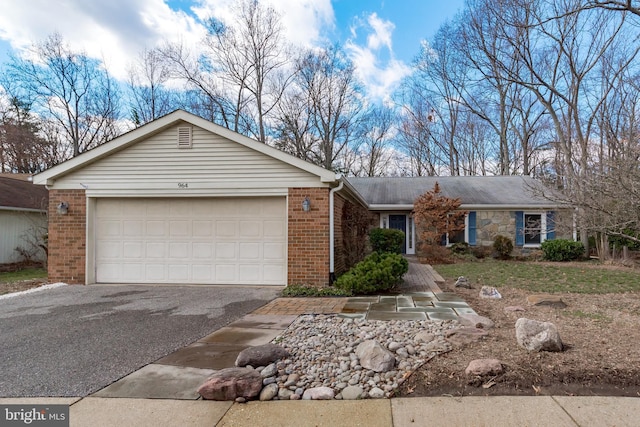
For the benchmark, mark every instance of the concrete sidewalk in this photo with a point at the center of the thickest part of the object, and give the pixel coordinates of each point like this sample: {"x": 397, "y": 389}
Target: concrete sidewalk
{"x": 498, "y": 411}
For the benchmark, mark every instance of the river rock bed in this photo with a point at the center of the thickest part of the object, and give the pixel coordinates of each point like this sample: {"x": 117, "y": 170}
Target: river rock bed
{"x": 323, "y": 357}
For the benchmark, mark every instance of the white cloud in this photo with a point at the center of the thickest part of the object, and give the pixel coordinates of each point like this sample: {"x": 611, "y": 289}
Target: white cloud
{"x": 380, "y": 77}
{"x": 115, "y": 30}
{"x": 304, "y": 21}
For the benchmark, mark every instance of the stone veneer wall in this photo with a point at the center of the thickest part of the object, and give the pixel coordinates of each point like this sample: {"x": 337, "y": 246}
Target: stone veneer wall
{"x": 67, "y": 237}
{"x": 490, "y": 224}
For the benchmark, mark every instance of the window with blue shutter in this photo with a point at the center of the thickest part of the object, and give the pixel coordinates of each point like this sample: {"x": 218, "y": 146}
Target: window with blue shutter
{"x": 551, "y": 225}
{"x": 519, "y": 228}
{"x": 471, "y": 224}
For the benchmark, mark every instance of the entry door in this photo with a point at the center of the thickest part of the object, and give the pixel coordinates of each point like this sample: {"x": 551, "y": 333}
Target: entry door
{"x": 399, "y": 222}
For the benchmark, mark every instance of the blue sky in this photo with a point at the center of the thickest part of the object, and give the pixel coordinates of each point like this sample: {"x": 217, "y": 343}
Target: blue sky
{"x": 381, "y": 37}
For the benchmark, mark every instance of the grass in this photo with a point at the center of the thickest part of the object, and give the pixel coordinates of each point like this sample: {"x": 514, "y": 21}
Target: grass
{"x": 547, "y": 277}
{"x": 26, "y": 274}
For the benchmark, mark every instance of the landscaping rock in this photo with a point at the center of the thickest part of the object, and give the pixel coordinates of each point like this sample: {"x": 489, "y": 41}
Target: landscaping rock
{"x": 424, "y": 336}
{"x": 484, "y": 367}
{"x": 376, "y": 393}
{"x": 514, "y": 308}
{"x": 285, "y": 394}
{"x": 318, "y": 393}
{"x": 269, "y": 371}
{"x": 463, "y": 282}
{"x": 475, "y": 321}
{"x": 464, "y": 336}
{"x": 231, "y": 383}
{"x": 261, "y": 355}
{"x": 489, "y": 292}
{"x": 375, "y": 357}
{"x": 352, "y": 392}
{"x": 269, "y": 392}
{"x": 537, "y": 336}
{"x": 547, "y": 300}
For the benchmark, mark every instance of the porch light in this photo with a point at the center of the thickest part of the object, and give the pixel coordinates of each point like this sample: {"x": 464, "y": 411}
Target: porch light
{"x": 63, "y": 208}
{"x": 306, "y": 204}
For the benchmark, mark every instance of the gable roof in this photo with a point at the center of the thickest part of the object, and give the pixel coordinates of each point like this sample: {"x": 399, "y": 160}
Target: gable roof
{"x": 18, "y": 194}
{"x": 130, "y": 138}
{"x": 473, "y": 191}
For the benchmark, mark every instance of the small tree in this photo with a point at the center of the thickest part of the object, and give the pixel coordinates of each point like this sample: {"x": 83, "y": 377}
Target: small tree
{"x": 436, "y": 216}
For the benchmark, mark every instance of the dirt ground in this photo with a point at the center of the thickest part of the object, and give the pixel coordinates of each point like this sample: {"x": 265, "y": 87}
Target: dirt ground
{"x": 601, "y": 335}
{"x": 22, "y": 285}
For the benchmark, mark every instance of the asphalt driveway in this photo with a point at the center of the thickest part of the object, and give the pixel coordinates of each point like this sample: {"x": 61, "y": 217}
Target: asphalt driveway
{"x": 75, "y": 340}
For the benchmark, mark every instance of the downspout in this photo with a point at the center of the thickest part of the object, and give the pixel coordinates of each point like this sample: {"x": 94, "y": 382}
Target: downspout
{"x": 332, "y": 246}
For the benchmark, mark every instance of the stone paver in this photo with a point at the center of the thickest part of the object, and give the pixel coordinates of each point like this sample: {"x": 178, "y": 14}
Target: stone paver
{"x": 159, "y": 382}
{"x": 241, "y": 336}
{"x": 204, "y": 356}
{"x": 285, "y": 306}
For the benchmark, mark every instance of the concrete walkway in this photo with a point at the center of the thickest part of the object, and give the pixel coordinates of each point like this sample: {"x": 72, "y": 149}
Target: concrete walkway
{"x": 164, "y": 393}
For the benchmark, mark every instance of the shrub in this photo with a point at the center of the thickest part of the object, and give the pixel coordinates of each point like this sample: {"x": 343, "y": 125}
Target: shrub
{"x": 386, "y": 240}
{"x": 503, "y": 246}
{"x": 377, "y": 272}
{"x": 309, "y": 291}
{"x": 561, "y": 250}
{"x": 460, "y": 248}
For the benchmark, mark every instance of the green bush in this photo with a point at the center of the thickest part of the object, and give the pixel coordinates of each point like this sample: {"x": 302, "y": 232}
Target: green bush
{"x": 386, "y": 240}
{"x": 377, "y": 272}
{"x": 309, "y": 291}
{"x": 460, "y": 248}
{"x": 503, "y": 246}
{"x": 561, "y": 250}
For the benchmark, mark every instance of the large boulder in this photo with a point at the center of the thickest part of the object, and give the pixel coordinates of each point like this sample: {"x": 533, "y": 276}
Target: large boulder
{"x": 375, "y": 357}
{"x": 537, "y": 336}
{"x": 231, "y": 383}
{"x": 261, "y": 355}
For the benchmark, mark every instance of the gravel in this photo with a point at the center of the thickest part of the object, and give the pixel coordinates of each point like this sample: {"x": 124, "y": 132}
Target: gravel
{"x": 323, "y": 347}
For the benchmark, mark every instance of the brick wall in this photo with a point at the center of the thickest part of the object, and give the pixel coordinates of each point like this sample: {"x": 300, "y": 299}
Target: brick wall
{"x": 339, "y": 261}
{"x": 308, "y": 239}
{"x": 67, "y": 237}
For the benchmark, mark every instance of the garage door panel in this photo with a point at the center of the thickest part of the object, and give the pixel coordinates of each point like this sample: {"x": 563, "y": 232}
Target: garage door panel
{"x": 226, "y": 273}
{"x": 274, "y": 251}
{"x": 209, "y": 241}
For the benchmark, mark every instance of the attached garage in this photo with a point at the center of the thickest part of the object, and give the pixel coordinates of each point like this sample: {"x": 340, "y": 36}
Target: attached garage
{"x": 239, "y": 241}
{"x": 181, "y": 200}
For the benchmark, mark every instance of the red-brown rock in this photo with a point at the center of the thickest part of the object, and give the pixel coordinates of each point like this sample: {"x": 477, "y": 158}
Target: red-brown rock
{"x": 231, "y": 383}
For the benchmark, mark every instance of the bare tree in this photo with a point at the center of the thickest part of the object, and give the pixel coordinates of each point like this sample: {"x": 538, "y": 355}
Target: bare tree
{"x": 327, "y": 82}
{"x": 149, "y": 97}
{"x": 22, "y": 148}
{"x": 373, "y": 153}
{"x": 70, "y": 89}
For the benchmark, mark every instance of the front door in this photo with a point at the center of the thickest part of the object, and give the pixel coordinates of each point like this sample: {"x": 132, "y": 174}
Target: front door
{"x": 399, "y": 222}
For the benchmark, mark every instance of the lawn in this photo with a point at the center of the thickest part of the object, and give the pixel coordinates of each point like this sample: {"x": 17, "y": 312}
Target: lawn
{"x": 584, "y": 278}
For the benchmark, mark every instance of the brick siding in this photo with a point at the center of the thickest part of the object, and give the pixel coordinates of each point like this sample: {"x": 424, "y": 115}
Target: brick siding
{"x": 67, "y": 237}
{"x": 308, "y": 239}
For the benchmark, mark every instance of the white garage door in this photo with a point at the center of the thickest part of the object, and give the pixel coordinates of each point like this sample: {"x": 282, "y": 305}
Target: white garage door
{"x": 197, "y": 241}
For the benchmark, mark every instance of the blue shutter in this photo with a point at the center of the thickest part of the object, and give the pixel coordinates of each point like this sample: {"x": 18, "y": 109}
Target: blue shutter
{"x": 551, "y": 225}
{"x": 519, "y": 228}
{"x": 471, "y": 223}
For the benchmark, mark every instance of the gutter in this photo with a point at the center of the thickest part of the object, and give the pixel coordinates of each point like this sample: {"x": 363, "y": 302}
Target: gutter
{"x": 479, "y": 207}
{"x": 332, "y": 248}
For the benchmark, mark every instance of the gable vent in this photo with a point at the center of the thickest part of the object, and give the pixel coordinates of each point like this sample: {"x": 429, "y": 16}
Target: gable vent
{"x": 184, "y": 137}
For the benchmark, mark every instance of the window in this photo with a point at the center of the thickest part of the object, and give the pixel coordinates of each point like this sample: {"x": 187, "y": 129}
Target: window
{"x": 459, "y": 236}
{"x": 410, "y": 233}
{"x": 533, "y": 230}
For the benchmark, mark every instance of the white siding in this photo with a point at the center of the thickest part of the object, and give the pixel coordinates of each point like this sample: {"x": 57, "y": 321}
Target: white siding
{"x": 17, "y": 229}
{"x": 158, "y": 166}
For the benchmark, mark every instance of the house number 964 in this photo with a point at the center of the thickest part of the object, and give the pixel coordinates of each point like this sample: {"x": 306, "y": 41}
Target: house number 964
{"x": 183, "y": 185}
